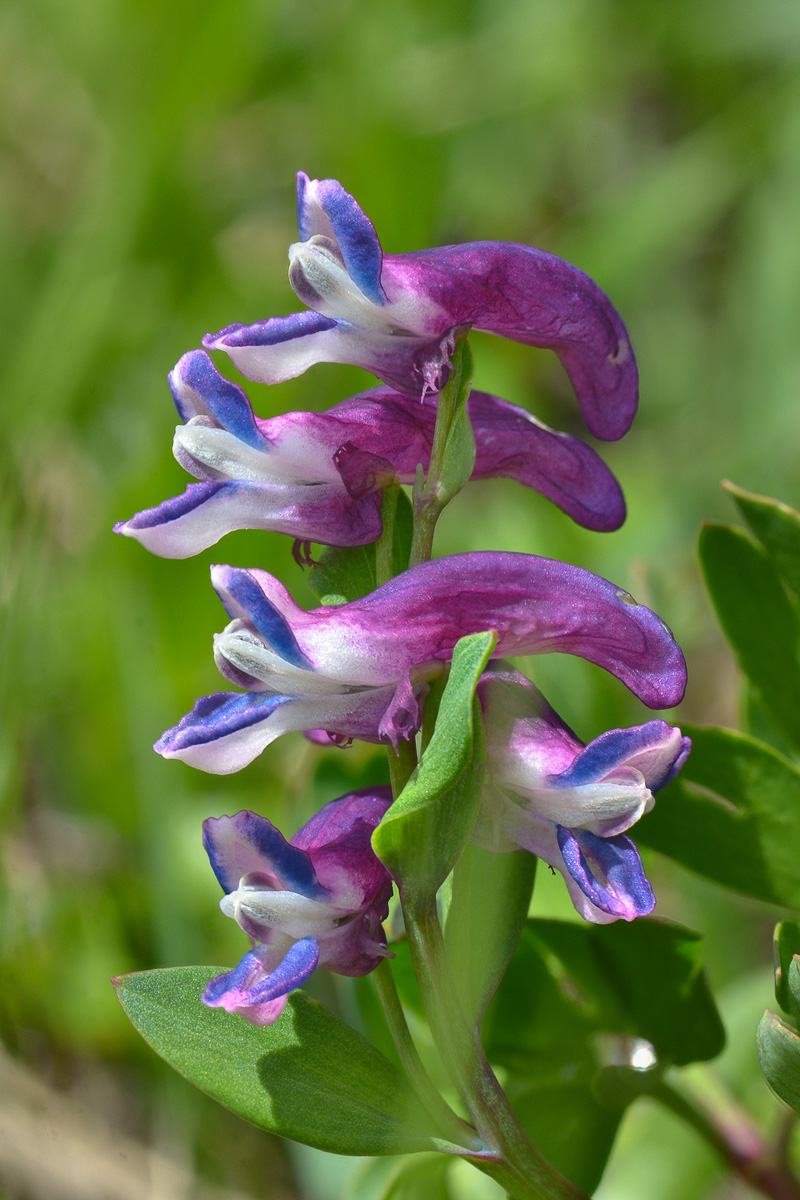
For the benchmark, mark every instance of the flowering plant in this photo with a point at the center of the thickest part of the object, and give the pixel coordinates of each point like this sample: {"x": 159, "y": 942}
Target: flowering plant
{"x": 430, "y": 879}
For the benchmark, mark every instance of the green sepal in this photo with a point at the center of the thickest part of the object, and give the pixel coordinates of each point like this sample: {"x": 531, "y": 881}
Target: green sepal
{"x": 733, "y": 816}
{"x": 778, "y": 1046}
{"x": 777, "y": 527}
{"x": 488, "y": 907}
{"x": 758, "y": 618}
{"x": 309, "y": 1077}
{"x": 348, "y": 573}
{"x": 785, "y": 945}
{"x": 430, "y": 822}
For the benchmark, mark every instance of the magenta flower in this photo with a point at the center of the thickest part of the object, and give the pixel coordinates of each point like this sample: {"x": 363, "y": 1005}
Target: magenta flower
{"x": 317, "y": 900}
{"x": 397, "y": 314}
{"x": 571, "y": 804}
{"x": 360, "y": 670}
{"x": 318, "y": 476}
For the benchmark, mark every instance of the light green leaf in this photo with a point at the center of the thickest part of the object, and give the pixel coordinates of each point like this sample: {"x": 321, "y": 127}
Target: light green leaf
{"x": 458, "y": 461}
{"x": 733, "y": 816}
{"x": 429, "y": 824}
{"x": 785, "y": 945}
{"x": 348, "y": 573}
{"x": 418, "y": 1177}
{"x": 778, "y": 1048}
{"x": 488, "y": 908}
{"x": 309, "y": 1077}
{"x": 758, "y": 618}
{"x": 777, "y": 527}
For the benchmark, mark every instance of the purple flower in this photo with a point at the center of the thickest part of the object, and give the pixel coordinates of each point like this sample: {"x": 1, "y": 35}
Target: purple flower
{"x": 571, "y": 804}
{"x": 397, "y": 315}
{"x": 360, "y": 670}
{"x": 315, "y": 901}
{"x": 318, "y": 476}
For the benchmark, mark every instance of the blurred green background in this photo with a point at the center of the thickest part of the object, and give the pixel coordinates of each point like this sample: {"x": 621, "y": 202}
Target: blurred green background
{"x": 147, "y": 159}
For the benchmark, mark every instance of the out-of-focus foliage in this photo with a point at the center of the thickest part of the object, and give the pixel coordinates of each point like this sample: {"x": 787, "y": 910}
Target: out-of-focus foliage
{"x": 147, "y": 154}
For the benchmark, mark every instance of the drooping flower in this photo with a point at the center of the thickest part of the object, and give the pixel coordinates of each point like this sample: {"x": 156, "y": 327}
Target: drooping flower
{"x": 568, "y": 803}
{"x": 397, "y": 315}
{"x": 317, "y": 900}
{"x": 359, "y": 670}
{"x": 318, "y": 476}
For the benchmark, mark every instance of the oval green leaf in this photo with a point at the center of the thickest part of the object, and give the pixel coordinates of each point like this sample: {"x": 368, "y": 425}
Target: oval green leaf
{"x": 309, "y": 1077}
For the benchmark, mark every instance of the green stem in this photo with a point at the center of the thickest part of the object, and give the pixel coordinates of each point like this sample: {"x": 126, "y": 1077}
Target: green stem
{"x": 463, "y": 1055}
{"x": 402, "y": 764}
{"x": 384, "y": 547}
{"x": 730, "y": 1131}
{"x": 440, "y": 1112}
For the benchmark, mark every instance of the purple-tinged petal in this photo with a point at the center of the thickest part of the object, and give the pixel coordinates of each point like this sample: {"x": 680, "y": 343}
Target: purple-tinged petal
{"x": 325, "y": 208}
{"x": 199, "y": 390}
{"x": 511, "y": 443}
{"x": 338, "y": 842}
{"x": 205, "y": 512}
{"x": 246, "y": 842}
{"x": 536, "y": 606}
{"x": 226, "y": 731}
{"x": 248, "y": 990}
{"x": 608, "y": 871}
{"x": 362, "y": 473}
{"x": 280, "y": 348}
{"x": 531, "y": 296}
{"x": 656, "y": 750}
{"x": 243, "y": 598}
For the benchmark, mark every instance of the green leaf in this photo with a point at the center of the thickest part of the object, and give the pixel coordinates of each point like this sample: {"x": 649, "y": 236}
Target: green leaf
{"x": 487, "y": 912}
{"x": 779, "y": 1054}
{"x": 794, "y": 988}
{"x": 429, "y": 824}
{"x": 348, "y": 573}
{"x": 575, "y": 1000}
{"x": 758, "y": 618}
{"x": 785, "y": 945}
{"x": 309, "y": 1077}
{"x": 416, "y": 1177}
{"x": 733, "y": 816}
{"x": 777, "y": 527}
{"x": 573, "y": 1130}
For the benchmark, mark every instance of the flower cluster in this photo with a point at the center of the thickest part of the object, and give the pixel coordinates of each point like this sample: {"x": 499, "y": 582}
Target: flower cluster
{"x": 363, "y": 669}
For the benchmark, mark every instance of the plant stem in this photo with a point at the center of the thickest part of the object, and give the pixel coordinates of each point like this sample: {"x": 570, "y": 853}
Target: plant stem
{"x": 463, "y": 1055}
{"x": 384, "y": 565}
{"x": 730, "y": 1131}
{"x": 451, "y": 1125}
{"x": 402, "y": 762}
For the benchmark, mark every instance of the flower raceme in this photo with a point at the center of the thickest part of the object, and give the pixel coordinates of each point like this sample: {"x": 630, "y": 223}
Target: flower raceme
{"x": 318, "y": 476}
{"x": 398, "y": 315}
{"x": 571, "y": 804}
{"x": 360, "y": 670}
{"x": 317, "y": 900}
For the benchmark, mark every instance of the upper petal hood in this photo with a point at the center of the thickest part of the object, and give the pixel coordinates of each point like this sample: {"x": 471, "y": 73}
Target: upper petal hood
{"x": 536, "y": 605}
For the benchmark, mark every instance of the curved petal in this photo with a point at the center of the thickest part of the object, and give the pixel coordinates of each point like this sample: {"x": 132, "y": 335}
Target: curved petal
{"x": 608, "y": 872}
{"x": 536, "y": 605}
{"x": 512, "y": 443}
{"x": 198, "y": 389}
{"x": 531, "y": 296}
{"x": 338, "y": 842}
{"x": 253, "y": 993}
{"x": 656, "y": 750}
{"x": 325, "y": 208}
{"x": 246, "y": 842}
{"x": 226, "y": 731}
{"x": 280, "y": 348}
{"x": 206, "y": 512}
